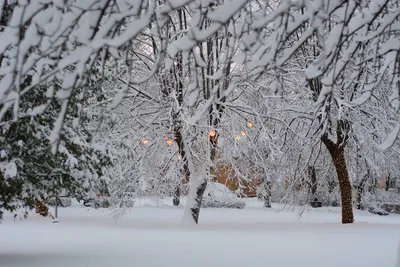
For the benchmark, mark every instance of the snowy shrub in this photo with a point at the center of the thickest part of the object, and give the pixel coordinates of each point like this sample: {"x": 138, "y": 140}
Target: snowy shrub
{"x": 330, "y": 199}
{"x": 370, "y": 204}
{"x": 218, "y": 195}
{"x": 101, "y": 202}
{"x": 126, "y": 201}
{"x": 390, "y": 196}
{"x": 381, "y": 196}
{"x": 374, "y": 209}
{"x": 381, "y": 202}
{"x": 214, "y": 203}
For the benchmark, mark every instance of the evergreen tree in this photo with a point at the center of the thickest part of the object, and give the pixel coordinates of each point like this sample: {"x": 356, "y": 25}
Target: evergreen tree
{"x": 29, "y": 172}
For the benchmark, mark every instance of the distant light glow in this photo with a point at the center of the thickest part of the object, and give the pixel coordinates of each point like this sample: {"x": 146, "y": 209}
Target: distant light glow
{"x": 212, "y": 133}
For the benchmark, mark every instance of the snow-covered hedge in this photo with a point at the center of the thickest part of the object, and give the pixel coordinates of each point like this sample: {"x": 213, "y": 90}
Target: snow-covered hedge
{"x": 382, "y": 202}
{"x": 391, "y": 196}
{"x": 102, "y": 202}
{"x": 218, "y": 195}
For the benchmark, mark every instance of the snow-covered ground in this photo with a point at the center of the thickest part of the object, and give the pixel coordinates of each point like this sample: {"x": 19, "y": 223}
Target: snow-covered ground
{"x": 153, "y": 236}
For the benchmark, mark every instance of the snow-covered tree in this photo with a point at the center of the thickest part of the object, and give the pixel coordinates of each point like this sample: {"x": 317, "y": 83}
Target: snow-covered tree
{"x": 346, "y": 53}
{"x": 347, "y": 50}
{"x": 29, "y": 172}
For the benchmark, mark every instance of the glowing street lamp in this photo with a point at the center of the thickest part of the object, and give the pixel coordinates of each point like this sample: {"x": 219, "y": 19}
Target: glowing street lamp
{"x": 249, "y": 124}
{"x": 243, "y": 132}
{"x": 237, "y": 137}
{"x": 145, "y": 141}
{"x": 169, "y": 141}
{"x": 212, "y": 133}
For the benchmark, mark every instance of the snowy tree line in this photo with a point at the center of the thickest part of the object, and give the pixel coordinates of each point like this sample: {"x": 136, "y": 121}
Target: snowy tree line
{"x": 148, "y": 96}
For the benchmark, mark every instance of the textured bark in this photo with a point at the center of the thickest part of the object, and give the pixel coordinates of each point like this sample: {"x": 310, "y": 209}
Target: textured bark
{"x": 213, "y": 153}
{"x": 360, "y": 191}
{"x": 199, "y": 197}
{"x": 178, "y": 81}
{"x": 267, "y": 194}
{"x": 313, "y": 179}
{"x": 185, "y": 168}
{"x": 336, "y": 151}
{"x": 387, "y": 183}
{"x": 177, "y": 196}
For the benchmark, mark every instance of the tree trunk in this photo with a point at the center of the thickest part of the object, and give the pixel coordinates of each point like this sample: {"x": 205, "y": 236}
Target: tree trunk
{"x": 313, "y": 178}
{"x": 193, "y": 205}
{"x": 360, "y": 191}
{"x": 387, "y": 184}
{"x": 177, "y": 194}
{"x": 336, "y": 150}
{"x": 178, "y": 81}
{"x": 267, "y": 194}
{"x": 185, "y": 168}
{"x": 199, "y": 197}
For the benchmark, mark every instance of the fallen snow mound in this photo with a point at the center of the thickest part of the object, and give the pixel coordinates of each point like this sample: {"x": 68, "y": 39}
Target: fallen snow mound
{"x": 218, "y": 195}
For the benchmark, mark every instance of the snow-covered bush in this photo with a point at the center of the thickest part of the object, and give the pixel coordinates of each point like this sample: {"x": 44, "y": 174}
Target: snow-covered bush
{"x": 390, "y": 196}
{"x": 218, "y": 195}
{"x": 123, "y": 201}
{"x": 98, "y": 202}
{"x": 379, "y": 197}
{"x": 381, "y": 202}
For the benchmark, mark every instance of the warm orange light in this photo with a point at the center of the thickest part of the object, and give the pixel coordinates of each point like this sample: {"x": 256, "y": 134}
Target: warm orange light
{"x": 179, "y": 157}
{"x": 145, "y": 141}
{"x": 212, "y": 133}
{"x": 169, "y": 141}
{"x": 249, "y": 124}
{"x": 243, "y": 133}
{"x": 237, "y": 137}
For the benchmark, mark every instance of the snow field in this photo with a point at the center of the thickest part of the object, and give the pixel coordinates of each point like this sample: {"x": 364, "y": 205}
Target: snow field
{"x": 153, "y": 236}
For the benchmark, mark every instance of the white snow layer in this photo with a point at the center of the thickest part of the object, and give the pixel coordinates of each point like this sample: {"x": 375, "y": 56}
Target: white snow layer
{"x": 10, "y": 170}
{"x": 153, "y": 236}
{"x": 391, "y": 138}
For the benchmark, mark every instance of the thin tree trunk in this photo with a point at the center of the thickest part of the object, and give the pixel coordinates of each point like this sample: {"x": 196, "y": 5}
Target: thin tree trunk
{"x": 185, "y": 167}
{"x": 177, "y": 120}
{"x": 193, "y": 205}
{"x": 313, "y": 178}
{"x": 359, "y": 193}
{"x": 359, "y": 197}
{"x": 387, "y": 184}
{"x": 336, "y": 150}
{"x": 199, "y": 197}
{"x": 267, "y": 194}
{"x": 360, "y": 190}
{"x": 177, "y": 195}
